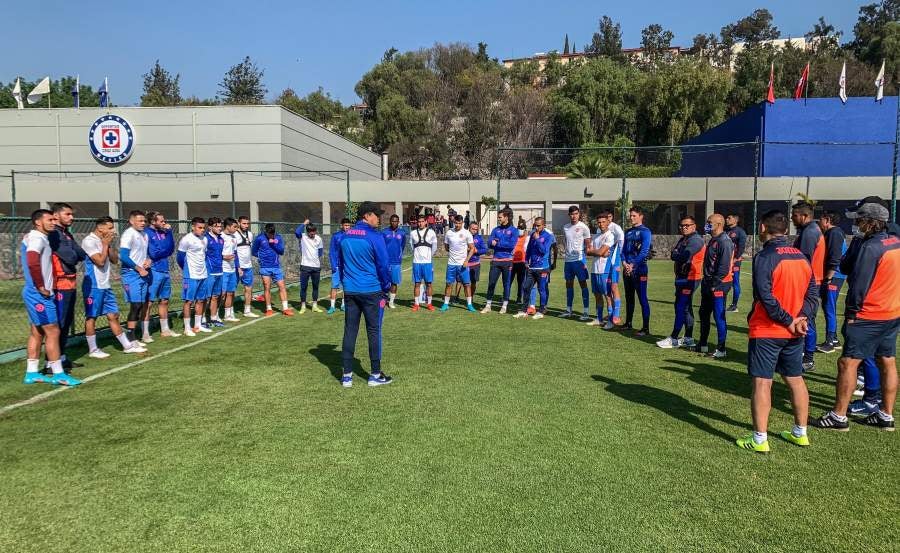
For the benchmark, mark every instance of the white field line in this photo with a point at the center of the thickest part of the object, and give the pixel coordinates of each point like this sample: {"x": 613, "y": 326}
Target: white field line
{"x": 46, "y": 395}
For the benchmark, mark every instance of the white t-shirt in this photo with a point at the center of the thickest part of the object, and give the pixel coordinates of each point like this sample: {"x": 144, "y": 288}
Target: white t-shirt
{"x": 423, "y": 254}
{"x": 228, "y": 249}
{"x": 194, "y": 248}
{"x": 575, "y": 236}
{"x": 136, "y": 242}
{"x": 309, "y": 251}
{"x": 620, "y": 239}
{"x": 244, "y": 243}
{"x": 99, "y": 276}
{"x": 601, "y": 265}
{"x": 459, "y": 242}
{"x": 36, "y": 241}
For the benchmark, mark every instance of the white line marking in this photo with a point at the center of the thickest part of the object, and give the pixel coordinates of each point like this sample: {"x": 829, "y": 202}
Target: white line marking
{"x": 46, "y": 395}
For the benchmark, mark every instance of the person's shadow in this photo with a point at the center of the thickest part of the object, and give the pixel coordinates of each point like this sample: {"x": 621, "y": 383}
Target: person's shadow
{"x": 670, "y": 404}
{"x": 329, "y": 355}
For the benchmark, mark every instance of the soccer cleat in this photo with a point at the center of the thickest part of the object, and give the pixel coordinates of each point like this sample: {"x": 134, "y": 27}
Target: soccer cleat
{"x": 303, "y": 309}
{"x": 288, "y": 312}
{"x": 531, "y": 310}
{"x": 169, "y": 334}
{"x": 202, "y": 329}
{"x": 829, "y": 422}
{"x": 565, "y": 314}
{"x": 585, "y": 317}
{"x": 391, "y": 305}
{"x": 471, "y": 308}
{"x": 269, "y": 312}
{"x": 415, "y": 307}
{"x": 876, "y": 421}
{"x": 429, "y": 307}
{"x": 216, "y": 323}
{"x": 503, "y": 310}
{"x": 487, "y": 309}
{"x": 627, "y": 326}
{"x": 688, "y": 342}
{"x": 802, "y": 441}
{"x": 189, "y": 332}
{"x": 147, "y": 339}
{"x": 808, "y": 366}
{"x": 616, "y": 320}
{"x": 594, "y": 322}
{"x": 316, "y": 308}
{"x": 63, "y": 379}
{"x": 251, "y": 314}
{"x": 642, "y": 332}
{"x": 836, "y": 343}
{"x": 36, "y": 378}
{"x": 719, "y": 354}
{"x": 139, "y": 343}
{"x": 445, "y": 307}
{"x": 608, "y": 325}
{"x": 134, "y": 349}
{"x": 862, "y": 408}
{"x": 668, "y": 343}
{"x": 732, "y": 309}
{"x": 750, "y": 443}
{"x": 98, "y": 354}
{"x": 231, "y": 319}
{"x": 330, "y": 311}
{"x": 825, "y": 347}
{"x": 379, "y": 380}
{"x": 537, "y": 316}
{"x": 347, "y": 381}
{"x": 520, "y": 315}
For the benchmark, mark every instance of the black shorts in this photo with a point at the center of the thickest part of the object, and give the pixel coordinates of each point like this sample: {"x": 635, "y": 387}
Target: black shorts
{"x": 766, "y": 356}
{"x": 475, "y": 273}
{"x": 866, "y": 339}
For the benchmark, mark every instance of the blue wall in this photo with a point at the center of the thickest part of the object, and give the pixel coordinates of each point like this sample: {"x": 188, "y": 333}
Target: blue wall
{"x": 813, "y": 120}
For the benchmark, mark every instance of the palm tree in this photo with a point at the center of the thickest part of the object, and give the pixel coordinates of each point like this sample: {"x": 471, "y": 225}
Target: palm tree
{"x": 588, "y": 166}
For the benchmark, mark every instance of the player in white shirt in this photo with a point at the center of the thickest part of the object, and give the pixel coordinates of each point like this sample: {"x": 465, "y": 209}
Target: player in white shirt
{"x": 229, "y": 263}
{"x": 577, "y": 239}
{"x": 614, "y": 297}
{"x": 245, "y": 262}
{"x": 99, "y": 299}
{"x": 311, "y": 251}
{"x": 423, "y": 242}
{"x": 136, "y": 277}
{"x": 191, "y": 258}
{"x": 38, "y": 298}
{"x": 600, "y": 250}
{"x": 460, "y": 248}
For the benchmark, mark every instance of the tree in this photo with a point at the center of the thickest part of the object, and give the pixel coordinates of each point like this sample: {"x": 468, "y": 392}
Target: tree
{"x": 243, "y": 84}
{"x": 566, "y": 45}
{"x": 656, "y": 42}
{"x": 607, "y": 41}
{"x": 823, "y": 37}
{"x": 160, "y": 88}
{"x": 871, "y": 29}
{"x": 755, "y": 28}
{"x": 60, "y": 94}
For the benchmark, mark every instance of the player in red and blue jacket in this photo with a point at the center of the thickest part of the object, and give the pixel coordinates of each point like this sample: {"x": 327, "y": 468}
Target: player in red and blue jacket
{"x": 688, "y": 256}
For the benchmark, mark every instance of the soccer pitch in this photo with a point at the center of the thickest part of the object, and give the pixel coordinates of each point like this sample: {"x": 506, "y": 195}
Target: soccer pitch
{"x": 497, "y": 435}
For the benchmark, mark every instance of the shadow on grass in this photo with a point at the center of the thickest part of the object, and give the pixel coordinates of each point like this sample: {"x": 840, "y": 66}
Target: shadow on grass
{"x": 329, "y": 355}
{"x": 671, "y": 404}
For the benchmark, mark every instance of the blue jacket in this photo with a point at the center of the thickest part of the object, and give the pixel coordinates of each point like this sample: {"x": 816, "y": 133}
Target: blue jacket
{"x": 363, "y": 260}
{"x": 333, "y": 250}
{"x": 637, "y": 246}
{"x": 537, "y": 254}
{"x": 480, "y": 249}
{"x": 160, "y": 245}
{"x": 395, "y": 241}
{"x": 507, "y": 237}
{"x": 268, "y": 252}
{"x": 214, "y": 247}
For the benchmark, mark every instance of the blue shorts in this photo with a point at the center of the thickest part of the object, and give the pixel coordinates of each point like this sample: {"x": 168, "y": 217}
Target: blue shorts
{"x": 41, "y": 310}
{"x": 600, "y": 283}
{"x": 423, "y": 271}
{"x": 458, "y": 273}
{"x": 575, "y": 270}
{"x": 247, "y": 276}
{"x": 160, "y": 286}
{"x": 229, "y": 282}
{"x": 766, "y": 356}
{"x": 615, "y": 274}
{"x": 214, "y": 285}
{"x": 274, "y": 273}
{"x": 99, "y": 302}
{"x": 335, "y": 280}
{"x": 193, "y": 289}
{"x": 395, "y": 274}
{"x": 866, "y": 339}
{"x": 136, "y": 287}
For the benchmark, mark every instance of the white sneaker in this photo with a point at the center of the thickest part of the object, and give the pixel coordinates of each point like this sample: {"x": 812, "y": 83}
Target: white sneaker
{"x": 392, "y": 306}
{"x": 585, "y": 317}
{"x": 232, "y": 320}
{"x": 135, "y": 349}
{"x": 719, "y": 354}
{"x": 169, "y": 334}
{"x": 688, "y": 342}
{"x": 503, "y": 310}
{"x": 189, "y": 332}
{"x": 608, "y": 325}
{"x": 537, "y": 316}
{"x": 202, "y": 329}
{"x": 98, "y": 354}
{"x": 520, "y": 315}
{"x": 595, "y": 322}
{"x": 251, "y": 314}
{"x": 487, "y": 309}
{"x": 668, "y": 343}
{"x": 147, "y": 339}
{"x": 565, "y": 315}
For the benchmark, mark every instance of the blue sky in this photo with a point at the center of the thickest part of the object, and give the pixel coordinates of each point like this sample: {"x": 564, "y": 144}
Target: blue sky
{"x": 331, "y": 44}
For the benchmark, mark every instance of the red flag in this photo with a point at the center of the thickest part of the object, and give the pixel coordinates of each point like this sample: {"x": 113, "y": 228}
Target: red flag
{"x": 802, "y": 83}
{"x": 770, "y": 95}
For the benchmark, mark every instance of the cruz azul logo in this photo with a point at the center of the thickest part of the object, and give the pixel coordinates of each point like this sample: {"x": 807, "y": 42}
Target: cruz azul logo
{"x": 111, "y": 139}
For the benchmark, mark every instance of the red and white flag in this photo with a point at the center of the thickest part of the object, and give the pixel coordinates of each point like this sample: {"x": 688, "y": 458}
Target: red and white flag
{"x": 770, "y": 95}
{"x": 803, "y": 83}
{"x": 843, "y": 83}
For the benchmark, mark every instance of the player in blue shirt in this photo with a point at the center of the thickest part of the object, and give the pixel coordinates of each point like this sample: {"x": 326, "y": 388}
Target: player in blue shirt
{"x": 395, "y": 239}
{"x": 215, "y": 243}
{"x": 634, "y": 255}
{"x": 160, "y": 246}
{"x": 540, "y": 258}
{"x": 334, "y": 260}
{"x": 366, "y": 277}
{"x": 268, "y": 249}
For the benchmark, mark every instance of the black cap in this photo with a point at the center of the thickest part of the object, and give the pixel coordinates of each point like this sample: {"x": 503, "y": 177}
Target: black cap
{"x": 369, "y": 207}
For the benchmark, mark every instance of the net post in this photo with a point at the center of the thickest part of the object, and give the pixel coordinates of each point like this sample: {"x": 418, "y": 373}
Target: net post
{"x": 347, "y": 178}
{"x": 498, "y": 169}
{"x": 233, "y": 206}
{"x": 119, "y": 207}
{"x": 624, "y": 185}
{"x": 755, "y": 193}
{"x": 12, "y": 192}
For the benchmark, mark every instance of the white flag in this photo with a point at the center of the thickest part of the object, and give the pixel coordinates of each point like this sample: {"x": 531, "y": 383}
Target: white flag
{"x": 843, "y": 83}
{"x": 879, "y": 84}
{"x": 17, "y": 94}
{"x": 42, "y": 88}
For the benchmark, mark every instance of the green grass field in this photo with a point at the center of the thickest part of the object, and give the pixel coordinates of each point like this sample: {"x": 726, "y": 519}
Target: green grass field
{"x": 497, "y": 435}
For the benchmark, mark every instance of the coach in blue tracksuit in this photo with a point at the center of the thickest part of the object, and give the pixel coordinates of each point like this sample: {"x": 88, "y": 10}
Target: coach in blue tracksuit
{"x": 634, "y": 256}
{"x": 366, "y": 278}
{"x": 738, "y": 237}
{"x": 395, "y": 239}
{"x": 832, "y": 277}
{"x": 160, "y": 246}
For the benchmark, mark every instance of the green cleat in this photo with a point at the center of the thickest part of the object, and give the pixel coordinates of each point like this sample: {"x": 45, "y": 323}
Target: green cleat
{"x": 748, "y": 443}
{"x": 802, "y": 441}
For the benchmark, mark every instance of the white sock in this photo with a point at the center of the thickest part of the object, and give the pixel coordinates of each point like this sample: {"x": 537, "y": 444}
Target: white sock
{"x": 505, "y": 303}
{"x": 487, "y": 303}
{"x": 123, "y": 339}
{"x": 429, "y": 299}
{"x": 798, "y": 431}
{"x": 56, "y": 366}
{"x": 187, "y": 324}
{"x": 146, "y": 328}
{"x": 268, "y": 307}
{"x": 32, "y": 365}
{"x": 203, "y": 320}
{"x": 246, "y": 308}
{"x": 469, "y": 300}
{"x": 164, "y": 324}
{"x": 446, "y": 300}
{"x": 392, "y": 296}
{"x": 760, "y": 437}
{"x": 884, "y": 416}
{"x": 332, "y": 303}
{"x": 285, "y": 306}
{"x": 838, "y": 417}
{"x": 417, "y": 300}
{"x": 91, "y": 341}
